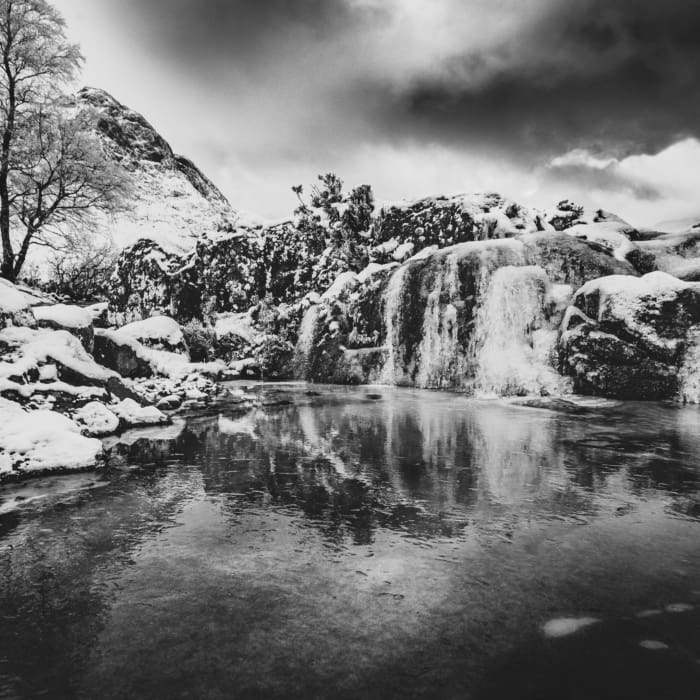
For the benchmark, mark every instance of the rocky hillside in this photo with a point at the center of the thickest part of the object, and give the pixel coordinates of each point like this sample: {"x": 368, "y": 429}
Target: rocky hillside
{"x": 174, "y": 202}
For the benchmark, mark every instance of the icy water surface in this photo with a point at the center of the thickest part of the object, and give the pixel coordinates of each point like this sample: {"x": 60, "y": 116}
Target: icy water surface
{"x": 365, "y": 543}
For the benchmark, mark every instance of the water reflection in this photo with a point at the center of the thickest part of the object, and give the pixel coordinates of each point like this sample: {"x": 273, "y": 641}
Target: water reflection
{"x": 430, "y": 464}
{"x": 362, "y": 523}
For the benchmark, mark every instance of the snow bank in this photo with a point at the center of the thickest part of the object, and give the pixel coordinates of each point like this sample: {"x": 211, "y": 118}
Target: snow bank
{"x": 34, "y": 441}
{"x": 12, "y": 300}
{"x": 64, "y": 315}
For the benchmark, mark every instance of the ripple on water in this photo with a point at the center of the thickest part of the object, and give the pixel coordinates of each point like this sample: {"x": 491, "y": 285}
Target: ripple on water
{"x": 679, "y": 608}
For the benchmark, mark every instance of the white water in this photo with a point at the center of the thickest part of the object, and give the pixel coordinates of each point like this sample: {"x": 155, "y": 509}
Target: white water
{"x": 514, "y": 342}
{"x": 442, "y": 359}
{"x": 305, "y": 342}
{"x": 689, "y": 374}
{"x": 392, "y": 372}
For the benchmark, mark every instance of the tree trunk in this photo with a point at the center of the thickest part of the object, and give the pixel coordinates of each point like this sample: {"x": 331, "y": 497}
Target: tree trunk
{"x": 22, "y": 254}
{"x": 8, "y": 258}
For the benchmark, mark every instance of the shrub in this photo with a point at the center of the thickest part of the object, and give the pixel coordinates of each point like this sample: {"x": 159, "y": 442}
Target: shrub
{"x": 82, "y": 267}
{"x": 201, "y": 340}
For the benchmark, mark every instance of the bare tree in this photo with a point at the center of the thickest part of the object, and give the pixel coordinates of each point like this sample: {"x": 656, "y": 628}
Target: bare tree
{"x": 53, "y": 171}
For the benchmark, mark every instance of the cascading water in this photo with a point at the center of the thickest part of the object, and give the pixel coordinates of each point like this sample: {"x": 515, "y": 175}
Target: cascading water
{"x": 689, "y": 374}
{"x": 392, "y": 372}
{"x": 442, "y": 358}
{"x": 514, "y": 340}
{"x": 305, "y": 342}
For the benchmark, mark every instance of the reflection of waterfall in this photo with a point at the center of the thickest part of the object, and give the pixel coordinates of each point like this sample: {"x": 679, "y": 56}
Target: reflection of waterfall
{"x": 392, "y": 370}
{"x": 513, "y": 342}
{"x": 441, "y": 355}
{"x": 305, "y": 343}
{"x": 689, "y": 375}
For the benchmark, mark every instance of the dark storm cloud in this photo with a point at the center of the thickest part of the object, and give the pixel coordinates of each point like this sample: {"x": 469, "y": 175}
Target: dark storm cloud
{"x": 614, "y": 76}
{"x": 605, "y": 179}
{"x": 238, "y": 29}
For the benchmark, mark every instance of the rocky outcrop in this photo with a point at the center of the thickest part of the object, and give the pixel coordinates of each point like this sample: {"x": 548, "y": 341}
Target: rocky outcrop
{"x": 634, "y": 338}
{"x": 173, "y": 202}
{"x": 676, "y": 253}
{"x": 446, "y": 221}
{"x": 423, "y": 323}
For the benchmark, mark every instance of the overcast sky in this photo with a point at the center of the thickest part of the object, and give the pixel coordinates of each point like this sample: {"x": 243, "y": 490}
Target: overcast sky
{"x": 595, "y": 100}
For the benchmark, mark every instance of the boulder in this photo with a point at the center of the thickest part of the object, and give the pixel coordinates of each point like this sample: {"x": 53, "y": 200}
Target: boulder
{"x": 676, "y": 253}
{"x": 121, "y": 355}
{"x": 74, "y": 319}
{"x": 157, "y": 333}
{"x": 628, "y": 337}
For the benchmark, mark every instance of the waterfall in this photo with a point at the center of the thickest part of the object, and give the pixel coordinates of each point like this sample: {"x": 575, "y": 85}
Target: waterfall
{"x": 513, "y": 342}
{"x": 305, "y": 342}
{"x": 393, "y": 301}
{"x": 442, "y": 359}
{"x": 689, "y": 374}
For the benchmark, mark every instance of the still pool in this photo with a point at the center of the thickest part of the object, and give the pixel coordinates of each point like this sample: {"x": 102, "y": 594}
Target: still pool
{"x": 365, "y": 543}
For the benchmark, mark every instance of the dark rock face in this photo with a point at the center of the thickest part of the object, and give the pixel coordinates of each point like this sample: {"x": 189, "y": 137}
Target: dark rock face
{"x": 120, "y": 357}
{"x": 628, "y": 338}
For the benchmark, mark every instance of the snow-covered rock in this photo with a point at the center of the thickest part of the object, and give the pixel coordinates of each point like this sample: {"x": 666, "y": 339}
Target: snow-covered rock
{"x": 133, "y": 415}
{"x": 613, "y": 236}
{"x": 15, "y": 305}
{"x": 403, "y": 227}
{"x": 96, "y": 419}
{"x": 628, "y": 337}
{"x": 39, "y": 441}
{"x": 131, "y": 358}
{"x": 158, "y": 333}
{"x": 75, "y": 319}
{"x": 25, "y": 354}
{"x": 677, "y": 253}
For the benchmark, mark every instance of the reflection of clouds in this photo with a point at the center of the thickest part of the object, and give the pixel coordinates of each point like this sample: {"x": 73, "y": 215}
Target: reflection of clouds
{"x": 240, "y": 426}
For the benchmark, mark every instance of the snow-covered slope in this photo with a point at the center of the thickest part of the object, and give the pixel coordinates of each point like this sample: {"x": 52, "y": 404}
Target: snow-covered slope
{"x": 174, "y": 202}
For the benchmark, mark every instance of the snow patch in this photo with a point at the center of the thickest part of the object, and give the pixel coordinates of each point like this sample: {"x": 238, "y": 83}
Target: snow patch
{"x": 64, "y": 315}
{"x": 34, "y": 441}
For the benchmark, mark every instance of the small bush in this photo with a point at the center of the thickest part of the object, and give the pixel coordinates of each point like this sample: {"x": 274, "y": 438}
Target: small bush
{"x": 82, "y": 268}
{"x": 201, "y": 340}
